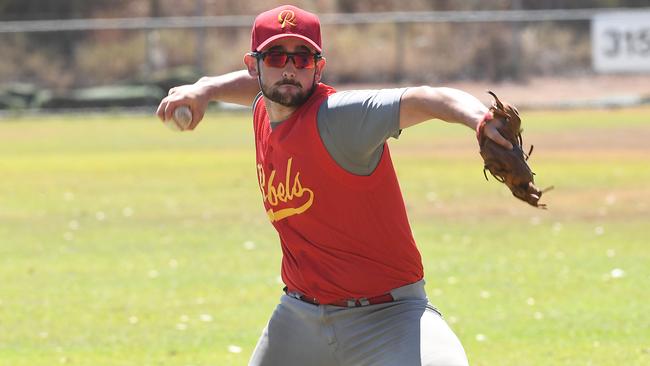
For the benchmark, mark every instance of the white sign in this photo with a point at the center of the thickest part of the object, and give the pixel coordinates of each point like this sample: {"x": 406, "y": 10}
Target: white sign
{"x": 621, "y": 42}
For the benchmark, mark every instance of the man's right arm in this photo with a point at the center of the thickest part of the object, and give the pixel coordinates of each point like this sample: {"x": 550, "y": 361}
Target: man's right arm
{"x": 236, "y": 87}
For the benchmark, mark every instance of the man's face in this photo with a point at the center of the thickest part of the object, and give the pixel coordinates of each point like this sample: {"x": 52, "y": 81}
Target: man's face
{"x": 287, "y": 84}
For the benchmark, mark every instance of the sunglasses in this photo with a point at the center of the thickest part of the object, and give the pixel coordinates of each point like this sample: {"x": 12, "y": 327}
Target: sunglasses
{"x": 278, "y": 59}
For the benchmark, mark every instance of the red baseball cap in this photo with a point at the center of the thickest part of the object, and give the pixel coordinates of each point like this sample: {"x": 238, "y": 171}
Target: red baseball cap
{"x": 285, "y": 21}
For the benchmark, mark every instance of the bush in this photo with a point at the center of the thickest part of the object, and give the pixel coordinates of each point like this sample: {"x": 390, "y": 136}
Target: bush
{"x": 101, "y": 97}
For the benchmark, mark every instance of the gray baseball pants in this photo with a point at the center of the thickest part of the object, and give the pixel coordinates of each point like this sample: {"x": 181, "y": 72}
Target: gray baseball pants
{"x": 405, "y": 332}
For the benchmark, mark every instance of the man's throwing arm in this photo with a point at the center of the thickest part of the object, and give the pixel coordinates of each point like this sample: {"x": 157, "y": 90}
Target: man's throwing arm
{"x": 425, "y": 103}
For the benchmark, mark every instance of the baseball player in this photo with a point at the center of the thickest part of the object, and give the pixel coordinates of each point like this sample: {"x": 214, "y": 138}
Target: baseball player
{"x": 354, "y": 280}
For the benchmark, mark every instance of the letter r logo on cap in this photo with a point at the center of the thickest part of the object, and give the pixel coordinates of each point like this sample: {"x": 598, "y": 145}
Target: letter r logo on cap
{"x": 286, "y": 17}
{"x": 283, "y": 22}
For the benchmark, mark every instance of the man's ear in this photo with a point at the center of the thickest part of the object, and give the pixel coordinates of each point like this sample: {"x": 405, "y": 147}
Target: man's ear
{"x": 320, "y": 66}
{"x": 251, "y": 65}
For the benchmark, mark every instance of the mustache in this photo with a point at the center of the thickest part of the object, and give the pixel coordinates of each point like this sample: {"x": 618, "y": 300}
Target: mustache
{"x": 289, "y": 82}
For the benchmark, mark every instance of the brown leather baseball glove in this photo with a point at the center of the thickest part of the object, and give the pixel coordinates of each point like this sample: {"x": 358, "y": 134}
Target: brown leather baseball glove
{"x": 508, "y": 166}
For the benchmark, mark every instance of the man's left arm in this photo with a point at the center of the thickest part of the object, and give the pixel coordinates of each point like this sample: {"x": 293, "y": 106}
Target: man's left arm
{"x": 423, "y": 103}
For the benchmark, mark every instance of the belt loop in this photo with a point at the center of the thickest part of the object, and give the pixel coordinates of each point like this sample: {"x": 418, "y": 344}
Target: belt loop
{"x": 363, "y": 301}
{"x": 293, "y": 294}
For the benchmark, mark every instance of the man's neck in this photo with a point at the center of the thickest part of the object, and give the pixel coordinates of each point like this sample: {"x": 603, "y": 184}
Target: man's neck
{"x": 278, "y": 112}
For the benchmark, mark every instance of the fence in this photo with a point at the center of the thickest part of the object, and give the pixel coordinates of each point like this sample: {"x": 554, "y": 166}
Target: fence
{"x": 397, "y": 47}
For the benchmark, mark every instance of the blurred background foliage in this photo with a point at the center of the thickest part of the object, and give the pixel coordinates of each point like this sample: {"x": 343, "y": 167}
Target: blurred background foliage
{"x": 382, "y": 53}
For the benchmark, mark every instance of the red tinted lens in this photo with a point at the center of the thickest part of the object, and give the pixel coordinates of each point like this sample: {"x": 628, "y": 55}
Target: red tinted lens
{"x": 276, "y": 59}
{"x": 303, "y": 60}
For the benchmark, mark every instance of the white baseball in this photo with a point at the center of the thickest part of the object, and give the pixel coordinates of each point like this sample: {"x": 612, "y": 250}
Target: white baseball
{"x": 172, "y": 125}
{"x": 181, "y": 120}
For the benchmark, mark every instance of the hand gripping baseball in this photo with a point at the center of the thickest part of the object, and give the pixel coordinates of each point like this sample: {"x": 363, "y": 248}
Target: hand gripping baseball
{"x": 183, "y": 108}
{"x": 508, "y": 166}
{"x": 181, "y": 119}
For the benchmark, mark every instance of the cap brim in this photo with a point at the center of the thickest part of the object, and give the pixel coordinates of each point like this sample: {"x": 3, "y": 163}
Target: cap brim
{"x": 287, "y": 35}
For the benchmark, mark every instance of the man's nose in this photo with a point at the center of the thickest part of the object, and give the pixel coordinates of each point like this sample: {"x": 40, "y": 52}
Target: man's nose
{"x": 289, "y": 72}
{"x": 289, "y": 69}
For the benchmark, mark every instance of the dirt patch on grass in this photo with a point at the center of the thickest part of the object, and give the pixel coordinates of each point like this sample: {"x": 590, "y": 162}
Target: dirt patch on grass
{"x": 549, "y": 91}
{"x": 628, "y": 139}
{"x": 619, "y": 204}
{"x": 601, "y": 142}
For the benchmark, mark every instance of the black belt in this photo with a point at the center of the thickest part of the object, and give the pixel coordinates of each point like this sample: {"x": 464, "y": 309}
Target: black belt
{"x": 347, "y": 303}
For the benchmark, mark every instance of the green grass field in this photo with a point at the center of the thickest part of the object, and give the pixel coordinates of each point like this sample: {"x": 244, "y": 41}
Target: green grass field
{"x": 123, "y": 243}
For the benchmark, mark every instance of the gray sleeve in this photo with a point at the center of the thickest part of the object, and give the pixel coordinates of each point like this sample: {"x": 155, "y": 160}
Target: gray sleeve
{"x": 354, "y": 125}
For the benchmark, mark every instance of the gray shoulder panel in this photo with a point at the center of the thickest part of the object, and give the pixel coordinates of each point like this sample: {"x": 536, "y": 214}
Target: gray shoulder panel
{"x": 354, "y": 125}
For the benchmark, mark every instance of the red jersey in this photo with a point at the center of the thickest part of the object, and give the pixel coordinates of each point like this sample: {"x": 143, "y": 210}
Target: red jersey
{"x": 342, "y": 235}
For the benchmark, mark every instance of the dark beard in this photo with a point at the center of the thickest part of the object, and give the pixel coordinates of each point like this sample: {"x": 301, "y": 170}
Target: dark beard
{"x": 287, "y": 100}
